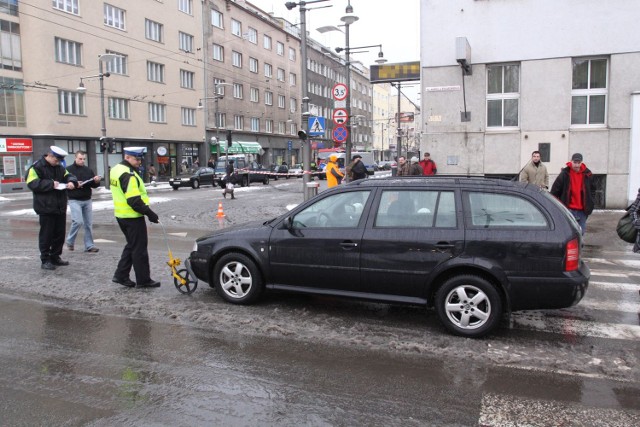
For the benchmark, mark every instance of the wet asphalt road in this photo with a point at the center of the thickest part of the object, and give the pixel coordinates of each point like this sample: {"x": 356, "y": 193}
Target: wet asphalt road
{"x": 78, "y": 350}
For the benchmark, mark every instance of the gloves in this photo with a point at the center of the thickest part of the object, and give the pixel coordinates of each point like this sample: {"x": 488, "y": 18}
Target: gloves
{"x": 153, "y": 217}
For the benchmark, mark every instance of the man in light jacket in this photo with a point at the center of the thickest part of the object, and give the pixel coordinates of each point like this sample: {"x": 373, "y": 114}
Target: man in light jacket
{"x": 535, "y": 172}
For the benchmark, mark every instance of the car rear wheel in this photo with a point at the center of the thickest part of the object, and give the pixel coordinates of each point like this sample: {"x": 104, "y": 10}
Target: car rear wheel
{"x": 195, "y": 184}
{"x": 468, "y": 305}
{"x": 175, "y": 187}
{"x": 245, "y": 181}
{"x": 237, "y": 279}
{"x": 266, "y": 180}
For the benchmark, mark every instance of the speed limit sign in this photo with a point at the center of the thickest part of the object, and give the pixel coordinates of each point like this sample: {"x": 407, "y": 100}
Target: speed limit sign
{"x": 340, "y": 91}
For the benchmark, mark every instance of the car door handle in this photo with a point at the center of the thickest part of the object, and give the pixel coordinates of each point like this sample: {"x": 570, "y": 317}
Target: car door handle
{"x": 348, "y": 245}
{"x": 444, "y": 245}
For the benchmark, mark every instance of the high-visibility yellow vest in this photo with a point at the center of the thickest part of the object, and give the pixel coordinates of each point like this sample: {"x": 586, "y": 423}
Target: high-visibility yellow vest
{"x": 136, "y": 187}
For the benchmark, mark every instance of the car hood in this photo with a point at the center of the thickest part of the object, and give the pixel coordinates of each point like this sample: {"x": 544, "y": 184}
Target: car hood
{"x": 253, "y": 228}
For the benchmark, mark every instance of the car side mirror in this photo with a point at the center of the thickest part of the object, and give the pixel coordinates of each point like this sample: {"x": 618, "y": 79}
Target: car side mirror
{"x": 288, "y": 223}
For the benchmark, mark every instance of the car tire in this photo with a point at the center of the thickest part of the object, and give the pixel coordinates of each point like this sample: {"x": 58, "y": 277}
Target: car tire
{"x": 245, "y": 181}
{"x": 266, "y": 181}
{"x": 468, "y": 306}
{"x": 195, "y": 184}
{"x": 237, "y": 279}
{"x": 174, "y": 187}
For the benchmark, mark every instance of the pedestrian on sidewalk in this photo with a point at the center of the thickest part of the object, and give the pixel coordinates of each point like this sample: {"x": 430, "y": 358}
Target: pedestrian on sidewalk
{"x": 80, "y": 202}
{"x": 49, "y": 182}
{"x": 535, "y": 172}
{"x": 229, "y": 181}
{"x": 428, "y": 166}
{"x": 634, "y": 211}
{"x": 415, "y": 169}
{"x": 573, "y": 187}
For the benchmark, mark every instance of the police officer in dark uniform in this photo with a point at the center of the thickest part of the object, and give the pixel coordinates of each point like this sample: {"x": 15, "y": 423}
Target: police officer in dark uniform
{"x": 130, "y": 205}
{"x": 49, "y": 181}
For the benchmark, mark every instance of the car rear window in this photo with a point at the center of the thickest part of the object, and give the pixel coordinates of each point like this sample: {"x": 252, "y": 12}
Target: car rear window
{"x": 492, "y": 210}
{"x": 416, "y": 208}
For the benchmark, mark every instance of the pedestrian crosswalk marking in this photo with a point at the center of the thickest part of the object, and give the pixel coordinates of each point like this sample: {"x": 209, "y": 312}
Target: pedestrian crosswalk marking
{"x": 533, "y": 320}
{"x": 616, "y": 286}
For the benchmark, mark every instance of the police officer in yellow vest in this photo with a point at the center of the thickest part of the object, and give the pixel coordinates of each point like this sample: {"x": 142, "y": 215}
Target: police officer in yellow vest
{"x": 130, "y": 205}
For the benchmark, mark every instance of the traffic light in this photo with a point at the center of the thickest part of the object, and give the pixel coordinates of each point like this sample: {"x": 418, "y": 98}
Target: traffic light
{"x": 229, "y": 141}
{"x": 302, "y": 135}
{"x": 112, "y": 145}
{"x": 103, "y": 145}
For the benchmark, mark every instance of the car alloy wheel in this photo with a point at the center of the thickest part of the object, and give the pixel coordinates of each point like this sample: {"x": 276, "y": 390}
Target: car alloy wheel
{"x": 237, "y": 279}
{"x": 468, "y": 305}
{"x": 195, "y": 184}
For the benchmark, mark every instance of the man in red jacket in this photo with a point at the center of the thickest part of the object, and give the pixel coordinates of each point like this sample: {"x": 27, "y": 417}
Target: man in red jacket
{"x": 574, "y": 189}
{"x": 428, "y": 165}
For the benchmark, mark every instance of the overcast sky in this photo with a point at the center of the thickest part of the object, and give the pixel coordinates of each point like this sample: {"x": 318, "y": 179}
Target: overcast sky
{"x": 394, "y": 24}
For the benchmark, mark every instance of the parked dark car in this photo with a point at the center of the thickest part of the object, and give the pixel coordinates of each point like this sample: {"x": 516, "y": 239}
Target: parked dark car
{"x": 472, "y": 248}
{"x": 278, "y": 169}
{"x": 247, "y": 171}
{"x": 203, "y": 176}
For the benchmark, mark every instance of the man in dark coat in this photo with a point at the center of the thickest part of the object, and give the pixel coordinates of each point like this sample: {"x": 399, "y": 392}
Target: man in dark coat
{"x": 49, "y": 182}
{"x": 573, "y": 187}
{"x": 357, "y": 168}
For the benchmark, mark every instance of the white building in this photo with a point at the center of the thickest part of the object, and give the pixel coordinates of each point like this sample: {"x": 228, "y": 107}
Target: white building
{"x": 559, "y": 77}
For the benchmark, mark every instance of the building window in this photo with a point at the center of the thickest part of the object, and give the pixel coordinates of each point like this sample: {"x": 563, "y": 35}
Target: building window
{"x": 157, "y": 113}
{"x": 268, "y": 126}
{"x": 10, "y": 7}
{"x": 70, "y": 103}
{"x": 238, "y": 122}
{"x": 153, "y": 30}
{"x": 186, "y": 79}
{"x": 114, "y": 17}
{"x": 68, "y": 52}
{"x": 268, "y": 70}
{"x": 268, "y": 98}
{"x": 292, "y": 54}
{"x": 236, "y": 28}
{"x": 255, "y": 94}
{"x": 12, "y": 102}
{"x": 237, "y": 90}
{"x": 218, "y": 85}
{"x": 185, "y": 42}
{"x": 255, "y": 124}
{"x": 252, "y": 35}
{"x": 293, "y": 129}
{"x": 293, "y": 103}
{"x": 10, "y": 53}
{"x": 282, "y": 127}
{"x": 186, "y": 6}
{"x": 292, "y": 79}
{"x": 119, "y": 64}
{"x": 155, "y": 72}
{"x": 280, "y": 74}
{"x": 216, "y": 19}
{"x": 69, "y": 6}
{"x": 280, "y": 48}
{"x": 118, "y": 108}
{"x": 266, "y": 42}
{"x": 236, "y": 58}
{"x": 221, "y": 120}
{"x": 589, "y": 91}
{"x": 253, "y": 65}
{"x": 188, "y": 116}
{"x": 281, "y": 101}
{"x": 218, "y": 52}
{"x": 503, "y": 95}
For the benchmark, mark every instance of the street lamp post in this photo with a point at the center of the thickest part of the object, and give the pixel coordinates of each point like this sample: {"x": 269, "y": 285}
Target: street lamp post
{"x": 348, "y": 19}
{"x": 218, "y": 96}
{"x": 103, "y": 130}
{"x": 304, "y": 123}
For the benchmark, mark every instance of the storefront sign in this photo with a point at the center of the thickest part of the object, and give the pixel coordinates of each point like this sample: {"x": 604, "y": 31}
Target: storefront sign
{"x": 9, "y": 164}
{"x": 16, "y": 145}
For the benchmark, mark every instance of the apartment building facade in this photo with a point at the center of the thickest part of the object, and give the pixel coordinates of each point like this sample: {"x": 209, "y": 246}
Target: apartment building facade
{"x": 542, "y": 75}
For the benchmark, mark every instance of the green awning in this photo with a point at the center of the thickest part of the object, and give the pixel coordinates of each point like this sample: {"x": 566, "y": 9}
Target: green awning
{"x": 237, "y": 147}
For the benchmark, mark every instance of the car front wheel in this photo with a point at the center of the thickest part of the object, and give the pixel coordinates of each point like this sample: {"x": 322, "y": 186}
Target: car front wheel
{"x": 195, "y": 184}
{"x": 266, "y": 180}
{"x": 237, "y": 279}
{"x": 468, "y": 305}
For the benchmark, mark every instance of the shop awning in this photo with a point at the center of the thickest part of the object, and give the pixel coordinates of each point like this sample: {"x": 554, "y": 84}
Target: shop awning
{"x": 238, "y": 147}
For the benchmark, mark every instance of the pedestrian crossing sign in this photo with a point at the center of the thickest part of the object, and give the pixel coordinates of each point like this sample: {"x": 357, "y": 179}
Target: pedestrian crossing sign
{"x": 316, "y": 126}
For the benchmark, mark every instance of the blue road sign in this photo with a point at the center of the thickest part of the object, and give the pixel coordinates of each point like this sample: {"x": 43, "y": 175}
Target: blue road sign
{"x": 316, "y": 126}
{"x": 289, "y": 145}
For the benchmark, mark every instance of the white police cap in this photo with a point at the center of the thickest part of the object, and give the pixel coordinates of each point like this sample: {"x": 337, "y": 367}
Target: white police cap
{"x": 135, "y": 151}
{"x": 58, "y": 152}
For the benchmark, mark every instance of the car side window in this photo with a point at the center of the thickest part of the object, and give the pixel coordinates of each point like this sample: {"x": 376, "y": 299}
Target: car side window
{"x": 416, "y": 209}
{"x": 342, "y": 210}
{"x": 491, "y": 210}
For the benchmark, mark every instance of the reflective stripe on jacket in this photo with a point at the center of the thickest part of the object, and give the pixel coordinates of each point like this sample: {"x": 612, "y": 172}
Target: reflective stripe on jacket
{"x": 126, "y": 184}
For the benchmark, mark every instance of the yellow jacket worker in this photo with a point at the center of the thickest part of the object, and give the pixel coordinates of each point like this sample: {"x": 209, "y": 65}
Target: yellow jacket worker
{"x": 334, "y": 176}
{"x": 130, "y": 205}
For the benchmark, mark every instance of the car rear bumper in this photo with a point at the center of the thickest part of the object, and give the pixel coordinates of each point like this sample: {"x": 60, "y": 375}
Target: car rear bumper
{"x": 538, "y": 293}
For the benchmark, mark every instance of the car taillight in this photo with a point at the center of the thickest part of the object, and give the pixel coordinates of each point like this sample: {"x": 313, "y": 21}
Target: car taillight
{"x": 572, "y": 255}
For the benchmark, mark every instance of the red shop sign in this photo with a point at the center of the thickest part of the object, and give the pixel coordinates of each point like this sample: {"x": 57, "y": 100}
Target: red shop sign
{"x": 16, "y": 145}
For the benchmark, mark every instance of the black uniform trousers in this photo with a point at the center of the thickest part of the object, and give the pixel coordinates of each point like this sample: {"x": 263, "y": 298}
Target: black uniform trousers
{"x": 135, "y": 251}
{"x": 53, "y": 229}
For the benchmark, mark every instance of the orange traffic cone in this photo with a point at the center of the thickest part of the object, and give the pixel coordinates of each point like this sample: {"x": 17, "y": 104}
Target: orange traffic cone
{"x": 220, "y": 211}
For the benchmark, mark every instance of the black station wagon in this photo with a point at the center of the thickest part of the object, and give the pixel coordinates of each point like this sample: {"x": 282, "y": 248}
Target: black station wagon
{"x": 472, "y": 248}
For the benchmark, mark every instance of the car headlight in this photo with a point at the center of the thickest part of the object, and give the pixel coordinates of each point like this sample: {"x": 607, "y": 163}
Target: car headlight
{"x": 195, "y": 247}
